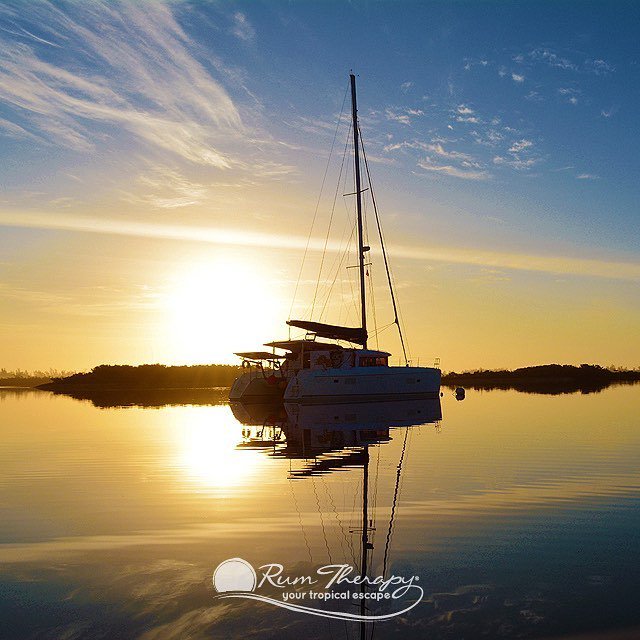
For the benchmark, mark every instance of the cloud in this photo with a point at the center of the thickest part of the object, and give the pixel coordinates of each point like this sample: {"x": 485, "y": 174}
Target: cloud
{"x": 464, "y": 110}
{"x": 128, "y": 69}
{"x": 404, "y": 116}
{"x": 515, "y": 162}
{"x": 607, "y": 113}
{"x": 405, "y": 86}
{"x": 587, "y": 176}
{"x": 570, "y": 93}
{"x": 520, "y": 145}
{"x": 13, "y": 130}
{"x": 552, "y": 59}
{"x": 432, "y": 147}
{"x": 242, "y": 28}
{"x": 469, "y": 63}
{"x": 517, "y": 77}
{"x": 619, "y": 270}
{"x": 428, "y": 164}
{"x": 167, "y": 188}
{"x": 599, "y": 67}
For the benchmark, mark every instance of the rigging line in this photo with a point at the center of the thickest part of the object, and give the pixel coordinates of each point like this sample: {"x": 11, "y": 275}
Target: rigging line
{"x": 350, "y": 538}
{"x": 373, "y": 305}
{"x": 295, "y": 502}
{"x": 337, "y": 515}
{"x": 342, "y": 259}
{"x": 383, "y": 328}
{"x": 343, "y": 251}
{"x": 341, "y": 254}
{"x": 315, "y": 213}
{"x": 374, "y": 498}
{"x": 324, "y": 531}
{"x": 384, "y": 251}
{"x": 333, "y": 208}
{"x": 394, "y": 503}
{"x": 348, "y": 247}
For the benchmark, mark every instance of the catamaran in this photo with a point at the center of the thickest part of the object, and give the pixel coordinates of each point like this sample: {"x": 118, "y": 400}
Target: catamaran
{"x": 315, "y": 371}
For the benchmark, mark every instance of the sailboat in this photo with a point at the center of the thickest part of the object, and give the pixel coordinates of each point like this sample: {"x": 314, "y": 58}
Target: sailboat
{"x": 315, "y": 371}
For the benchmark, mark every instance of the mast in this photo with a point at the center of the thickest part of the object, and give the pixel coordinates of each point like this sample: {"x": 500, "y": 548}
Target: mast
{"x": 366, "y": 545}
{"x": 361, "y": 250}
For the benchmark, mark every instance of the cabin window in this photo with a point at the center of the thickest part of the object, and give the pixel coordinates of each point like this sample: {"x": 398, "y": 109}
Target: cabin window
{"x": 372, "y": 361}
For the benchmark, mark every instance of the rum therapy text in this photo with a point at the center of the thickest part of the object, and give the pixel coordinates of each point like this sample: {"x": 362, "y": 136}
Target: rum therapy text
{"x": 331, "y": 575}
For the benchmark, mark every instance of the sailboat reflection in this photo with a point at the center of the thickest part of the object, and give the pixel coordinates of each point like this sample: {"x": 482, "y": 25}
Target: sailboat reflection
{"x": 331, "y": 437}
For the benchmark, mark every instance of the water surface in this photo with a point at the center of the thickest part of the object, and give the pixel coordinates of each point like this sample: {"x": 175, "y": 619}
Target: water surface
{"x": 518, "y": 512}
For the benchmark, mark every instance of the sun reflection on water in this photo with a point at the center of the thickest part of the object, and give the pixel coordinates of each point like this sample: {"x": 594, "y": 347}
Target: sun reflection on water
{"x": 208, "y": 456}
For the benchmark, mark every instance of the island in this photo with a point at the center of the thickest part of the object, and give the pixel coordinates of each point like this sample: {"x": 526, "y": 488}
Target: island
{"x": 157, "y": 384}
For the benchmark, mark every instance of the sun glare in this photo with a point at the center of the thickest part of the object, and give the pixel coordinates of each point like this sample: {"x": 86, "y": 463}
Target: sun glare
{"x": 218, "y": 307}
{"x": 207, "y": 440}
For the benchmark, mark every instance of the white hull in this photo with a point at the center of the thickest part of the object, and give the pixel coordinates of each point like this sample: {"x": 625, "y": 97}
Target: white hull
{"x": 363, "y": 384}
{"x": 254, "y": 387}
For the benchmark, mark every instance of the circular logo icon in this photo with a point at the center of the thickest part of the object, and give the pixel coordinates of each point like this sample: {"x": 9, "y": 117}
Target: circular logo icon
{"x": 234, "y": 574}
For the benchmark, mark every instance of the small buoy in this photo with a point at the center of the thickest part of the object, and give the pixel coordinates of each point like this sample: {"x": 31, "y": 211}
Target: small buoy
{"x": 460, "y": 393}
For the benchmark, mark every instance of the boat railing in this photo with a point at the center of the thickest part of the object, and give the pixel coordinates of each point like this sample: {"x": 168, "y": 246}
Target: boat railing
{"x": 418, "y": 361}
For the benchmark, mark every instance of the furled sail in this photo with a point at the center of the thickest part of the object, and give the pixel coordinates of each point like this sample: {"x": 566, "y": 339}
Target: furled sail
{"x": 357, "y": 335}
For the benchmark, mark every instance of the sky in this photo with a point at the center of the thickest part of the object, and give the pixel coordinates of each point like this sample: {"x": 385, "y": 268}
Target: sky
{"x": 164, "y": 165}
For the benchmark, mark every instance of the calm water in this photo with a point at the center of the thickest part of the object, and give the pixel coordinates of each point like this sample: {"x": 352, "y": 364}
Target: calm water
{"x": 519, "y": 514}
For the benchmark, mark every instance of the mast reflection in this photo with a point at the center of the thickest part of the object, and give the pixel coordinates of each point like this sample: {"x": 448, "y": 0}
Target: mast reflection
{"x": 334, "y": 437}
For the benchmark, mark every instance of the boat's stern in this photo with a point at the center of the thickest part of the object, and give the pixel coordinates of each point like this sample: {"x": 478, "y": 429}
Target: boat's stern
{"x": 253, "y": 386}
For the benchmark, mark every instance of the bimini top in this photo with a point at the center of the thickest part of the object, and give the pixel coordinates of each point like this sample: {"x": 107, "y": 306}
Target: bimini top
{"x": 299, "y": 345}
{"x": 357, "y": 335}
{"x": 258, "y": 355}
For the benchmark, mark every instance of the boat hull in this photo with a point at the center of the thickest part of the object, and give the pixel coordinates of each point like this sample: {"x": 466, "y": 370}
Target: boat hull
{"x": 254, "y": 387}
{"x": 363, "y": 384}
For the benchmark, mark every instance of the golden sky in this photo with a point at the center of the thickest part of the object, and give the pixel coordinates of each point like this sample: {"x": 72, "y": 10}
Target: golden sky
{"x": 159, "y": 185}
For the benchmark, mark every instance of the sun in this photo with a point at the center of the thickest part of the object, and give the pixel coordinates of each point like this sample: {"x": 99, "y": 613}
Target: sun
{"x": 216, "y": 307}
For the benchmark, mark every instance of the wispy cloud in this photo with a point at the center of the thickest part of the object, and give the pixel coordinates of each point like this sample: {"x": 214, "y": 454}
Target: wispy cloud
{"x": 587, "y": 176}
{"x": 552, "y": 59}
{"x": 467, "y": 119}
{"x": 534, "y": 96}
{"x": 131, "y": 69}
{"x": 515, "y": 162}
{"x": 519, "y": 156}
{"x": 405, "y": 86}
{"x": 619, "y": 270}
{"x": 403, "y": 116}
{"x": 464, "y": 110}
{"x": 520, "y": 145}
{"x": 458, "y": 164}
{"x": 571, "y": 94}
{"x": 166, "y": 188}
{"x": 599, "y": 67}
{"x": 242, "y": 28}
{"x": 428, "y": 164}
{"x": 517, "y": 77}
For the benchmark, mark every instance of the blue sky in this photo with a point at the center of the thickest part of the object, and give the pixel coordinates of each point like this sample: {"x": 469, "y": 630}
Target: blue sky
{"x": 503, "y": 138}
